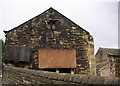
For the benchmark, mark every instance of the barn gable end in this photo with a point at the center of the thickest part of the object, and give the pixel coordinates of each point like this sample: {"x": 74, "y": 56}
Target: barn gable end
{"x": 52, "y": 30}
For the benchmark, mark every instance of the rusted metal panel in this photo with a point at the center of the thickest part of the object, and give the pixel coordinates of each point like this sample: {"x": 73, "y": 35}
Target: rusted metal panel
{"x": 53, "y": 58}
{"x": 17, "y": 53}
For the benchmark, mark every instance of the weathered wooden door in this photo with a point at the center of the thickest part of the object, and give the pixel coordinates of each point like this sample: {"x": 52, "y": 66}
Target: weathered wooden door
{"x": 17, "y": 53}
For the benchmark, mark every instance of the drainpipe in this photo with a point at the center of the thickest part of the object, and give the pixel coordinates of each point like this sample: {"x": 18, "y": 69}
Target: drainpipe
{"x": 91, "y": 58}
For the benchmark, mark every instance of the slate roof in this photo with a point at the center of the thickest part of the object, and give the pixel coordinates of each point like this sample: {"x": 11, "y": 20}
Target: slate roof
{"x": 113, "y": 51}
{"x": 110, "y": 51}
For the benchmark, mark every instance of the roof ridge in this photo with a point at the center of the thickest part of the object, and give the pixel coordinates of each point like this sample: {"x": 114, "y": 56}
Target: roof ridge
{"x": 111, "y": 48}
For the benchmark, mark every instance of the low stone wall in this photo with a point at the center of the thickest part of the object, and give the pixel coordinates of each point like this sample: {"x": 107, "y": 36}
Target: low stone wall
{"x": 13, "y": 75}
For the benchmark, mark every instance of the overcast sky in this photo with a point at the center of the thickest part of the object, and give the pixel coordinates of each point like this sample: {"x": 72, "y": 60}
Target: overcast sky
{"x": 99, "y": 17}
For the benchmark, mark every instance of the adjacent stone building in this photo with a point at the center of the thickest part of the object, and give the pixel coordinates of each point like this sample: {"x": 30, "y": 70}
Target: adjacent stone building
{"x": 52, "y": 30}
{"x": 108, "y": 62}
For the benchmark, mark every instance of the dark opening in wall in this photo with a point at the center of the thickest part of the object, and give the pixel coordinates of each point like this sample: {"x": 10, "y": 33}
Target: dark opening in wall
{"x": 50, "y": 70}
{"x": 65, "y": 70}
{"x": 52, "y": 21}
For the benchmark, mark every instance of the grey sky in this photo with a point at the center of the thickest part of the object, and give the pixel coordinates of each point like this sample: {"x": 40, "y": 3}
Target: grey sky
{"x": 98, "y": 17}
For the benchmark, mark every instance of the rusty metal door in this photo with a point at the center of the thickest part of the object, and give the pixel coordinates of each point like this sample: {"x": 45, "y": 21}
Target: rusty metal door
{"x": 53, "y": 58}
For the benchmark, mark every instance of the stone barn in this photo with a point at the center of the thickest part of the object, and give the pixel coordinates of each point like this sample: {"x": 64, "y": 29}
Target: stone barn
{"x": 108, "y": 62}
{"x": 51, "y": 30}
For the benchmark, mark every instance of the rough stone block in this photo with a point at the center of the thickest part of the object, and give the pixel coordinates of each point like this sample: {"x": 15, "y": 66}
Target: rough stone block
{"x": 85, "y": 79}
{"x": 68, "y": 77}
{"x": 92, "y": 79}
{"x": 99, "y": 80}
{"x": 61, "y": 77}
{"x": 108, "y": 80}
{"x": 76, "y": 78}
{"x": 116, "y": 81}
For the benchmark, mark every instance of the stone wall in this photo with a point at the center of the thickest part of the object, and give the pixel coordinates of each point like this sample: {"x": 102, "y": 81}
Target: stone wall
{"x": 52, "y": 30}
{"x": 115, "y": 65}
{"x": 110, "y": 56}
{"x": 13, "y": 75}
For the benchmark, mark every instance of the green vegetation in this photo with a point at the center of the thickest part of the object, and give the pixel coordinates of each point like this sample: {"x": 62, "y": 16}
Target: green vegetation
{"x": 1, "y": 50}
{"x": 1, "y": 54}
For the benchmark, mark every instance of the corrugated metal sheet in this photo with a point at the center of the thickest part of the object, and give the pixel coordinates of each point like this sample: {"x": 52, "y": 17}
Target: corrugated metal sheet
{"x": 17, "y": 53}
{"x": 52, "y": 58}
